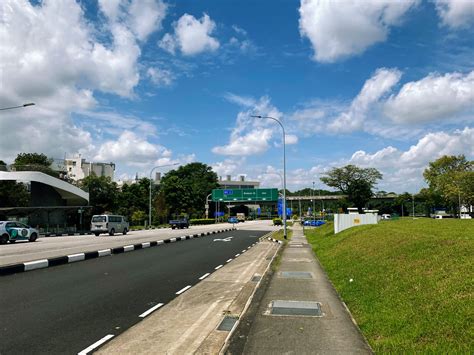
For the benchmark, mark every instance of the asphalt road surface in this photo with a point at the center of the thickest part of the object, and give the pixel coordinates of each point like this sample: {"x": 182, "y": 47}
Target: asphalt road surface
{"x": 67, "y": 308}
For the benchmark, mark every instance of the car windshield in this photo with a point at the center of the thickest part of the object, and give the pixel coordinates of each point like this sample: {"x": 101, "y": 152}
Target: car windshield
{"x": 96, "y": 219}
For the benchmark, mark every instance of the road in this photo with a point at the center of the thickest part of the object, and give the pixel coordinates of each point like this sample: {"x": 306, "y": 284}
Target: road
{"x": 67, "y": 308}
{"x": 58, "y": 246}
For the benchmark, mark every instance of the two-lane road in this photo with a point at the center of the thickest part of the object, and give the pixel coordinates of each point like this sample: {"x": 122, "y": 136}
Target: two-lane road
{"x": 65, "y": 309}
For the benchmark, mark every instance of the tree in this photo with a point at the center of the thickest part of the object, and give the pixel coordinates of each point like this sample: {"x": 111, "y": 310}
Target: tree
{"x": 134, "y": 197}
{"x": 34, "y": 162}
{"x": 13, "y": 194}
{"x": 186, "y": 188}
{"x": 102, "y": 193}
{"x": 138, "y": 217}
{"x": 452, "y": 177}
{"x": 357, "y": 183}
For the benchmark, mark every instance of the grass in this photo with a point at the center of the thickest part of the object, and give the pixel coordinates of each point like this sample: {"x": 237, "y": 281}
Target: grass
{"x": 412, "y": 282}
{"x": 279, "y": 234}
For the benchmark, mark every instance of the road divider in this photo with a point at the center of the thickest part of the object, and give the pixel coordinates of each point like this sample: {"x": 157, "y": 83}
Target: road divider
{"x": 66, "y": 259}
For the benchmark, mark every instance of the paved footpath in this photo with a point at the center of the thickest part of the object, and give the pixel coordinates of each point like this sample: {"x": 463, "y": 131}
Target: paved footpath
{"x": 270, "y": 330}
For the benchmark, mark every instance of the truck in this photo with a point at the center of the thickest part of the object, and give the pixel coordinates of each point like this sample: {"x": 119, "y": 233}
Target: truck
{"x": 179, "y": 223}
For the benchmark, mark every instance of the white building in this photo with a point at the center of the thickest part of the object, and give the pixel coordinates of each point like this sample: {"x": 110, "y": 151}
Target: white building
{"x": 241, "y": 183}
{"x": 78, "y": 168}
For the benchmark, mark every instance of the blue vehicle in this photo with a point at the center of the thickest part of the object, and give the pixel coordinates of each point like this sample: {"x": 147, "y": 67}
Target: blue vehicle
{"x": 314, "y": 223}
{"x": 233, "y": 220}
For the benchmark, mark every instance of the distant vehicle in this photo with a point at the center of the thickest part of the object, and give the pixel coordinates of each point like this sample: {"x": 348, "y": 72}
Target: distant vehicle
{"x": 233, "y": 220}
{"x": 314, "y": 223}
{"x": 386, "y": 216}
{"x": 179, "y": 223}
{"x": 109, "y": 224}
{"x": 240, "y": 217}
{"x": 11, "y": 231}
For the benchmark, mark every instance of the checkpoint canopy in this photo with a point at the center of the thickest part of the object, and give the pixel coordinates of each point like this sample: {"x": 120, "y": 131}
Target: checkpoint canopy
{"x": 244, "y": 195}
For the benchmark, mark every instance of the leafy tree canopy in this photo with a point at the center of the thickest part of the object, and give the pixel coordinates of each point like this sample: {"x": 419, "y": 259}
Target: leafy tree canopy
{"x": 34, "y": 162}
{"x": 102, "y": 193}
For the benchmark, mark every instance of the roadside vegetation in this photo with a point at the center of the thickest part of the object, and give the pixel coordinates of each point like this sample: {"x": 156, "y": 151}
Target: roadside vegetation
{"x": 278, "y": 235}
{"x": 408, "y": 283}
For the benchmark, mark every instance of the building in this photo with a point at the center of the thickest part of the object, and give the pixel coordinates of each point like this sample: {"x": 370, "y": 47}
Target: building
{"x": 241, "y": 183}
{"x": 78, "y": 168}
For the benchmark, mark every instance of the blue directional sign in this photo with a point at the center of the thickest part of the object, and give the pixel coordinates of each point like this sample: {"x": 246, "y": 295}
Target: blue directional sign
{"x": 218, "y": 214}
{"x": 228, "y": 192}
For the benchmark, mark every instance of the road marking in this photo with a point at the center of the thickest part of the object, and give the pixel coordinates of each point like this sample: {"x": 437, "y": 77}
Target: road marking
{"x": 104, "y": 252}
{"x": 228, "y": 261}
{"x": 237, "y": 255}
{"x": 152, "y": 309}
{"x": 146, "y": 245}
{"x": 204, "y": 276}
{"x": 218, "y": 267}
{"x": 127, "y": 248}
{"x": 75, "y": 257}
{"x": 172, "y": 240}
{"x": 228, "y": 239}
{"x": 37, "y": 264}
{"x": 159, "y": 242}
{"x": 243, "y": 251}
{"x": 96, "y": 344}
{"x": 183, "y": 290}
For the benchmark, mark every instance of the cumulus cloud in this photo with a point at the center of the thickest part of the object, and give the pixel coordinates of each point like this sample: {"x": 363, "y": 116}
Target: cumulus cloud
{"x": 191, "y": 36}
{"x": 432, "y": 98}
{"x": 160, "y": 77}
{"x": 251, "y": 135}
{"x": 374, "y": 88}
{"x": 455, "y": 13}
{"x": 342, "y": 29}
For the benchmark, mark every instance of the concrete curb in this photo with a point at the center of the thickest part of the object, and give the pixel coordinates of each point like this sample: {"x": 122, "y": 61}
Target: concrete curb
{"x": 67, "y": 259}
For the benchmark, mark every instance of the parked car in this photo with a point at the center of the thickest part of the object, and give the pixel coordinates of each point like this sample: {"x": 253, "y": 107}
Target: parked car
{"x": 109, "y": 224}
{"x": 179, "y": 223}
{"x": 233, "y": 220}
{"x": 11, "y": 231}
{"x": 314, "y": 223}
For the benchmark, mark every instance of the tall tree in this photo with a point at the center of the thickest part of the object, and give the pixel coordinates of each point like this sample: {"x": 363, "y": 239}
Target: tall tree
{"x": 452, "y": 177}
{"x": 357, "y": 183}
{"x": 13, "y": 194}
{"x": 186, "y": 188}
{"x": 102, "y": 193}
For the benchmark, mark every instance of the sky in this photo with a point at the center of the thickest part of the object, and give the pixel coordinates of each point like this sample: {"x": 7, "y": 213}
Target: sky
{"x": 376, "y": 83}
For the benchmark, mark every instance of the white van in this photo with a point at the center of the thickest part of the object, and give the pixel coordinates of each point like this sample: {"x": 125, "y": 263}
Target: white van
{"x": 109, "y": 224}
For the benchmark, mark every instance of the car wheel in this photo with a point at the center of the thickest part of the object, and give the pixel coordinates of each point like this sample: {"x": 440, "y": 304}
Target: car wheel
{"x": 12, "y": 241}
{"x": 112, "y": 232}
{"x": 33, "y": 237}
{"x": 4, "y": 239}
{"x": 125, "y": 231}
{"x": 96, "y": 234}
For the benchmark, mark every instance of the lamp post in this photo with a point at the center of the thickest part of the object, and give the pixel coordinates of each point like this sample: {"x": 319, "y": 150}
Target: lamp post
{"x": 314, "y": 204}
{"x": 284, "y": 170}
{"x": 281, "y": 180}
{"x": 21, "y": 106}
{"x": 207, "y": 205}
{"x": 149, "y": 200}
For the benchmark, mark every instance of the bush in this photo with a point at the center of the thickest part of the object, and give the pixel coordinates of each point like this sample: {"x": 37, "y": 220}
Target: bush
{"x": 194, "y": 222}
{"x": 277, "y": 222}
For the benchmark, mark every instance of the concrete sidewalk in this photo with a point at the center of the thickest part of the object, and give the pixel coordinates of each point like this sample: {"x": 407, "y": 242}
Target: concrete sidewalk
{"x": 278, "y": 325}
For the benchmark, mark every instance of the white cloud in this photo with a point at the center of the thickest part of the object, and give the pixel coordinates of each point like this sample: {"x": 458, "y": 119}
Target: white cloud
{"x": 192, "y": 36}
{"x": 431, "y": 98}
{"x": 160, "y": 77}
{"x": 374, "y": 88}
{"x": 291, "y": 139}
{"x": 455, "y": 13}
{"x": 342, "y": 29}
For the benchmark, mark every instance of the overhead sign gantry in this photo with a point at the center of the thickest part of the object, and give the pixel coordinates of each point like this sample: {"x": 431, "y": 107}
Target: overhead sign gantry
{"x": 244, "y": 195}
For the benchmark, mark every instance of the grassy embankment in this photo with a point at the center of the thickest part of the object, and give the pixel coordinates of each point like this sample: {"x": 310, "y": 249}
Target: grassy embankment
{"x": 412, "y": 288}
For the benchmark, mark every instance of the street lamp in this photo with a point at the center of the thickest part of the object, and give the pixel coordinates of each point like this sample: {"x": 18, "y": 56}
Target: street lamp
{"x": 21, "y": 106}
{"x": 281, "y": 180}
{"x": 284, "y": 170}
{"x": 149, "y": 201}
{"x": 207, "y": 205}
{"x": 314, "y": 204}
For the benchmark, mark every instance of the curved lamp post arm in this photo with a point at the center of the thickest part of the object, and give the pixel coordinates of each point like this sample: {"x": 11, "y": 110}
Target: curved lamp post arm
{"x": 149, "y": 200}
{"x": 21, "y": 106}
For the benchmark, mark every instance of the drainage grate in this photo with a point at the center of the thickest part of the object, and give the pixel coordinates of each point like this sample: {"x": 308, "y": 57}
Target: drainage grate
{"x": 256, "y": 278}
{"x": 228, "y": 323}
{"x": 296, "y": 275}
{"x": 296, "y": 308}
{"x": 295, "y": 245}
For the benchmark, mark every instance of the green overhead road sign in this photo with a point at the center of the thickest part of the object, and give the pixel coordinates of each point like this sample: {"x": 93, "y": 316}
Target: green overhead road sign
{"x": 244, "y": 195}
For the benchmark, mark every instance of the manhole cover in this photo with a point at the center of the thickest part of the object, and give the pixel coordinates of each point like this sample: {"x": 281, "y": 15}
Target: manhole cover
{"x": 228, "y": 323}
{"x": 296, "y": 308}
{"x": 256, "y": 278}
{"x": 296, "y": 275}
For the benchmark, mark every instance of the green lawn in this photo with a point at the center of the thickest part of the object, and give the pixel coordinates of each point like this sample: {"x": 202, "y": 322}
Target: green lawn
{"x": 412, "y": 288}
{"x": 279, "y": 234}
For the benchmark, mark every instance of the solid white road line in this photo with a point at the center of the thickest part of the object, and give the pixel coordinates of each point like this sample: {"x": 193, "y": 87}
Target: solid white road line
{"x": 37, "y": 264}
{"x": 152, "y": 309}
{"x": 218, "y": 267}
{"x": 183, "y": 290}
{"x": 228, "y": 261}
{"x": 204, "y": 276}
{"x": 96, "y": 344}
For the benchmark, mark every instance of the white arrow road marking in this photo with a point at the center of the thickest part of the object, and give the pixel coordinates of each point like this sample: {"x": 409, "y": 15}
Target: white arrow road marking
{"x": 223, "y": 240}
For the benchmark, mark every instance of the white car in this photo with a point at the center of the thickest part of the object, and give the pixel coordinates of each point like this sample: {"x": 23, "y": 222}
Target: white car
{"x": 386, "y": 216}
{"x": 11, "y": 231}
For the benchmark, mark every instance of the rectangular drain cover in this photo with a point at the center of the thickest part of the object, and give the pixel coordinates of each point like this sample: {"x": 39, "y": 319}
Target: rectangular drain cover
{"x": 296, "y": 275}
{"x": 228, "y": 323}
{"x": 296, "y": 308}
{"x": 256, "y": 278}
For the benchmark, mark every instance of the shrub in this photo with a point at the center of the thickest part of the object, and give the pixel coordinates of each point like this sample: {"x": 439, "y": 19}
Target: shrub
{"x": 277, "y": 222}
{"x": 194, "y": 222}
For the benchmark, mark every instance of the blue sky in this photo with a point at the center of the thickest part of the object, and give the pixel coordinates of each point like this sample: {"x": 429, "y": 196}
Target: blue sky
{"x": 384, "y": 84}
